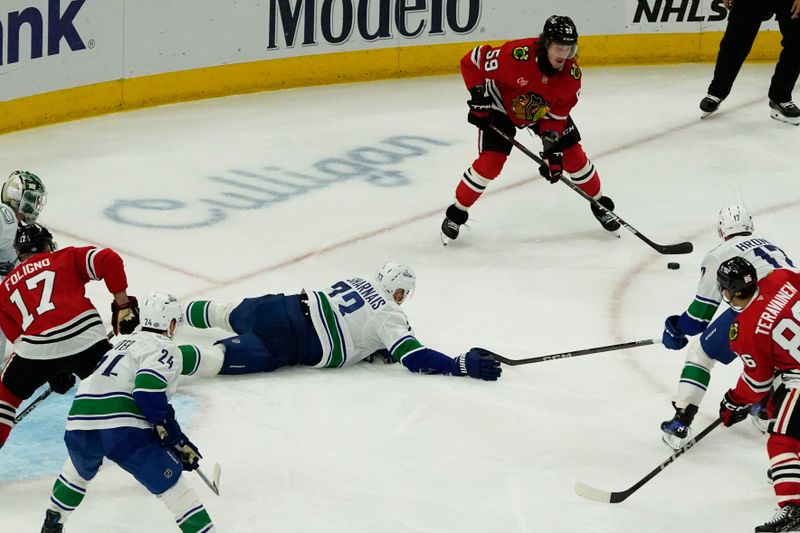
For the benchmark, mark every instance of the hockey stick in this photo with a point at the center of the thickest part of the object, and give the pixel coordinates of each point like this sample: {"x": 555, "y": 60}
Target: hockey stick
{"x": 213, "y": 484}
{"x": 667, "y": 249}
{"x": 591, "y": 493}
{"x": 576, "y": 353}
{"x": 31, "y": 406}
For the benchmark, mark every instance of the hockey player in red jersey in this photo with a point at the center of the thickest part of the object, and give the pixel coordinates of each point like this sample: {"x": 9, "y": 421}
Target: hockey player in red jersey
{"x": 527, "y": 83}
{"x": 44, "y": 311}
{"x": 766, "y": 336}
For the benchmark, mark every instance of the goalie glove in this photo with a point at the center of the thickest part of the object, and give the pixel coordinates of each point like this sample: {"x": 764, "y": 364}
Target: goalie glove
{"x": 173, "y": 438}
{"x": 125, "y": 318}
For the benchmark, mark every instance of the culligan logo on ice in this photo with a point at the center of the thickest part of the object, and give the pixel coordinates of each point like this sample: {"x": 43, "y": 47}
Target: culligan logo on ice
{"x": 35, "y": 24}
{"x": 337, "y": 21}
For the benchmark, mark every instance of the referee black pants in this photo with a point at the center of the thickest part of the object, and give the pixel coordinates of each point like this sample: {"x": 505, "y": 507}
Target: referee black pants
{"x": 744, "y": 21}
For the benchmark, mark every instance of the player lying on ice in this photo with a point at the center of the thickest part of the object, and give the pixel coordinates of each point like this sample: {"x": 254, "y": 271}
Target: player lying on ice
{"x": 339, "y": 326}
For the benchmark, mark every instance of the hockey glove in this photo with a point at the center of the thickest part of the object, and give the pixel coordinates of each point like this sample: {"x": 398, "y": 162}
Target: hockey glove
{"x": 382, "y": 355}
{"x": 732, "y": 412}
{"x": 476, "y": 363}
{"x": 125, "y": 318}
{"x": 480, "y": 107}
{"x": 173, "y": 438}
{"x": 553, "y": 170}
{"x": 62, "y": 382}
{"x": 673, "y": 338}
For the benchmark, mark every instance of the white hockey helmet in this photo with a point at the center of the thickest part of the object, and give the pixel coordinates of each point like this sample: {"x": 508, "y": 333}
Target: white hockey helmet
{"x": 734, "y": 219}
{"x": 25, "y": 193}
{"x": 393, "y": 276}
{"x": 158, "y": 310}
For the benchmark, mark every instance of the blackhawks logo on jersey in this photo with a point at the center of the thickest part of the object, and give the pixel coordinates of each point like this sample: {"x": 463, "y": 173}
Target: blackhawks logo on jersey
{"x": 575, "y": 71}
{"x": 529, "y": 107}
{"x": 733, "y": 333}
{"x": 521, "y": 53}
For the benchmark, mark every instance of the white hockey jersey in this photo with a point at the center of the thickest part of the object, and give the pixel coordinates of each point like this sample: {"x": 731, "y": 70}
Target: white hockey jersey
{"x": 141, "y": 362}
{"x": 760, "y": 252}
{"x": 8, "y": 255}
{"x": 355, "y": 318}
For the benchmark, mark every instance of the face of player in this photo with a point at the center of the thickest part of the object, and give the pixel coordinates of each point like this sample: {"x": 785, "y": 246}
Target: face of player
{"x": 399, "y": 295}
{"x": 558, "y": 54}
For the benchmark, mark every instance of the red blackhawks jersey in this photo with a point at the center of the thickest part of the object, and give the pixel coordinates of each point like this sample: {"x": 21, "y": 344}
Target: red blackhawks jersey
{"x": 519, "y": 88}
{"x": 766, "y": 336}
{"x": 44, "y": 310}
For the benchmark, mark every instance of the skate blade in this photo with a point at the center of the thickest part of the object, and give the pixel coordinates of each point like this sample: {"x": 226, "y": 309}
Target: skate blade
{"x": 675, "y": 443}
{"x": 781, "y": 118}
{"x": 706, "y": 114}
{"x": 445, "y": 239}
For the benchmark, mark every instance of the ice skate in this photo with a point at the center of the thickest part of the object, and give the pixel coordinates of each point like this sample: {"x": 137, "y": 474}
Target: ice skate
{"x": 677, "y": 432}
{"x": 451, "y": 225}
{"x": 606, "y": 220}
{"x": 786, "y": 112}
{"x": 709, "y": 104}
{"x": 52, "y": 522}
{"x": 786, "y": 519}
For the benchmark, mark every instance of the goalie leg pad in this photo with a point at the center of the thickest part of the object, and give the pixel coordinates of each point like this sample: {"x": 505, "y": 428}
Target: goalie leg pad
{"x": 189, "y": 512}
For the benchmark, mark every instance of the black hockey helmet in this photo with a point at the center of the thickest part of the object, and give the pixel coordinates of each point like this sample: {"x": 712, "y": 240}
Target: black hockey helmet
{"x": 32, "y": 239}
{"x": 560, "y": 29}
{"x": 737, "y": 276}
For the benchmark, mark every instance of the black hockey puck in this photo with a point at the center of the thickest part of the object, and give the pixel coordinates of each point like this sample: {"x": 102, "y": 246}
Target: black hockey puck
{"x": 673, "y": 266}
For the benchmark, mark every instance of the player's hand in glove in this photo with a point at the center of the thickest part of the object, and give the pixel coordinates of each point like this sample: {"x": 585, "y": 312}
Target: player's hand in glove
{"x": 480, "y": 107}
{"x": 62, "y": 382}
{"x": 171, "y": 435}
{"x": 553, "y": 169}
{"x": 673, "y": 338}
{"x": 477, "y": 363}
{"x": 732, "y": 412}
{"x": 125, "y": 317}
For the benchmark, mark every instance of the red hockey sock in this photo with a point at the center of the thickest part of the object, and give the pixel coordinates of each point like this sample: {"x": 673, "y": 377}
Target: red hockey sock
{"x": 785, "y": 463}
{"x": 8, "y": 411}
{"x": 477, "y": 177}
{"x": 582, "y": 171}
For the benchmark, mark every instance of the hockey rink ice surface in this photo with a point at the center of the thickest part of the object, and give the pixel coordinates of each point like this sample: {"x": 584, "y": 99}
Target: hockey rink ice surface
{"x": 277, "y": 191}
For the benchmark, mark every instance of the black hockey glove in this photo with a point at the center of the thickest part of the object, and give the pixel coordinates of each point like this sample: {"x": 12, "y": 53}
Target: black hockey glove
{"x": 169, "y": 431}
{"x": 553, "y": 170}
{"x": 480, "y": 107}
{"x": 125, "y": 318}
{"x": 381, "y": 355}
{"x": 62, "y": 382}
{"x": 477, "y": 363}
{"x": 732, "y": 412}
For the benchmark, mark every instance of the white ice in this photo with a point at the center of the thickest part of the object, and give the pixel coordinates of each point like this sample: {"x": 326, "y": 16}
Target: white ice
{"x": 374, "y": 447}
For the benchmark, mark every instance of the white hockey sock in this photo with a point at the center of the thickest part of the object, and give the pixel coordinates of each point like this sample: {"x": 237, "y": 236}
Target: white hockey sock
{"x": 68, "y": 491}
{"x": 204, "y": 314}
{"x": 205, "y": 361}
{"x": 190, "y": 514}
{"x": 695, "y": 376}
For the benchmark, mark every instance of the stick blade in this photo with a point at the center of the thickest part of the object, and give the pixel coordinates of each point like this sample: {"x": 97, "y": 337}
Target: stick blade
{"x": 590, "y": 493}
{"x": 676, "y": 249}
{"x": 215, "y": 477}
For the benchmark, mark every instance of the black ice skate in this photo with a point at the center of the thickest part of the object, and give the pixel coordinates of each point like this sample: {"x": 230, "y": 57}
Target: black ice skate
{"x": 454, "y": 219}
{"x": 606, "y": 220}
{"x": 52, "y": 522}
{"x": 786, "y": 112}
{"x": 709, "y": 104}
{"x": 677, "y": 431}
{"x": 786, "y": 519}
